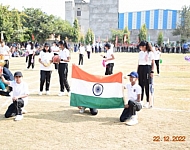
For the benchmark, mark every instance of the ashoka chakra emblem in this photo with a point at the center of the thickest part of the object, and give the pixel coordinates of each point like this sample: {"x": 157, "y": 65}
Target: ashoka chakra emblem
{"x": 97, "y": 89}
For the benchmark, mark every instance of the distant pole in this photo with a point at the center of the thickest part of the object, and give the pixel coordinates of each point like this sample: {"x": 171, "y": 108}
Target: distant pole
{"x": 2, "y": 37}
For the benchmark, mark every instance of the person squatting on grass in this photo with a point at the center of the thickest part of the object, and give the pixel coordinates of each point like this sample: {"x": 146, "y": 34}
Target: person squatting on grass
{"x": 19, "y": 96}
{"x": 134, "y": 100}
{"x": 145, "y": 70}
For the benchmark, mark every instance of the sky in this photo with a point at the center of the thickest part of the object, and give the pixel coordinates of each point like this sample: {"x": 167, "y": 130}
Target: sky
{"x": 57, "y": 7}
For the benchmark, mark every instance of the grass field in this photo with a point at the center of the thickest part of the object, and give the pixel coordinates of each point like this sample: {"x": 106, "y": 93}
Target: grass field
{"x": 52, "y": 124}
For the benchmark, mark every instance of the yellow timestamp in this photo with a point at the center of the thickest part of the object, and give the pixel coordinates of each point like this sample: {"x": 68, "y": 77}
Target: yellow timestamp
{"x": 169, "y": 138}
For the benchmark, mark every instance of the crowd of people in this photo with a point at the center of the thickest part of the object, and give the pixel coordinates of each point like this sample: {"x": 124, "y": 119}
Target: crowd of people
{"x": 164, "y": 48}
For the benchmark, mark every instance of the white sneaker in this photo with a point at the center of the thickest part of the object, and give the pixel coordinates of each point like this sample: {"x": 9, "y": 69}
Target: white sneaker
{"x": 69, "y": 93}
{"x": 146, "y": 105}
{"x": 141, "y": 103}
{"x": 47, "y": 93}
{"x": 40, "y": 93}
{"x": 61, "y": 94}
{"x": 82, "y": 110}
{"x": 132, "y": 121}
{"x": 18, "y": 117}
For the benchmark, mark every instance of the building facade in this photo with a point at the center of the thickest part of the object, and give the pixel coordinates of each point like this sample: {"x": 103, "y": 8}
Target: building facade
{"x": 100, "y": 16}
{"x": 156, "y": 21}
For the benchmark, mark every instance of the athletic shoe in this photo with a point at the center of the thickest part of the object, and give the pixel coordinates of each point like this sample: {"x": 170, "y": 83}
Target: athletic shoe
{"x": 69, "y": 93}
{"x": 61, "y": 94}
{"x": 47, "y": 93}
{"x": 82, "y": 110}
{"x": 18, "y": 117}
{"x": 132, "y": 121}
{"x": 146, "y": 105}
{"x": 40, "y": 93}
{"x": 141, "y": 103}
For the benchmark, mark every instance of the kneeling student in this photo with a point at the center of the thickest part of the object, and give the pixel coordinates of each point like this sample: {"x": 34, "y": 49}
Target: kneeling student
{"x": 19, "y": 96}
{"x": 93, "y": 111}
{"x": 134, "y": 98}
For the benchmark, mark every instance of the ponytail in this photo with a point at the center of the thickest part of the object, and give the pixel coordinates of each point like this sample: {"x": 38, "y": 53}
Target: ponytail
{"x": 148, "y": 47}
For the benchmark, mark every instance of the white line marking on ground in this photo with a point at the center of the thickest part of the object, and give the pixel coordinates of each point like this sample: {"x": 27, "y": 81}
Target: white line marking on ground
{"x": 8, "y": 100}
{"x": 168, "y": 109}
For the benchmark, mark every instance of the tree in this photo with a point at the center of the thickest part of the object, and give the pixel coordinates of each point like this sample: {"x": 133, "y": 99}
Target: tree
{"x": 62, "y": 28}
{"x": 5, "y": 23}
{"x": 160, "y": 38}
{"x": 39, "y": 24}
{"x": 81, "y": 39}
{"x": 143, "y": 33}
{"x": 89, "y": 38}
{"x": 19, "y": 30}
{"x": 32, "y": 24}
{"x": 76, "y": 31}
{"x": 126, "y": 38}
{"x": 183, "y": 28}
{"x": 119, "y": 34}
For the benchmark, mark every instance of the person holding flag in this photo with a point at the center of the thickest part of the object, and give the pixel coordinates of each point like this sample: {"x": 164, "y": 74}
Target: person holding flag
{"x": 134, "y": 100}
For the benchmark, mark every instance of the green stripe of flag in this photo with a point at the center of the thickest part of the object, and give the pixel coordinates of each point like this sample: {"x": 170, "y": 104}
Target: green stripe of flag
{"x": 95, "y": 102}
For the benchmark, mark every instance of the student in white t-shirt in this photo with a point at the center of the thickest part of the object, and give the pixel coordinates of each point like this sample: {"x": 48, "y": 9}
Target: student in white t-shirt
{"x": 146, "y": 70}
{"x": 19, "y": 96}
{"x": 109, "y": 59}
{"x": 31, "y": 55}
{"x": 88, "y": 49}
{"x": 5, "y": 51}
{"x": 157, "y": 55}
{"x": 81, "y": 53}
{"x": 45, "y": 60}
{"x": 64, "y": 55}
{"x": 134, "y": 100}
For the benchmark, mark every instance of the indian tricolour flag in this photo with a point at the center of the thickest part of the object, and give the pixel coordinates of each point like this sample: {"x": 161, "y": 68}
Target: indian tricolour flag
{"x": 94, "y": 91}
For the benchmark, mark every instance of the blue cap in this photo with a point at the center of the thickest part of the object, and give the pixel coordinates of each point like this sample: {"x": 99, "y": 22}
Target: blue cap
{"x": 134, "y": 74}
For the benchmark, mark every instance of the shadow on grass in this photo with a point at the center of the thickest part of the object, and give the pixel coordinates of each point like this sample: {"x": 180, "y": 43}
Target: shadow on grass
{"x": 70, "y": 116}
